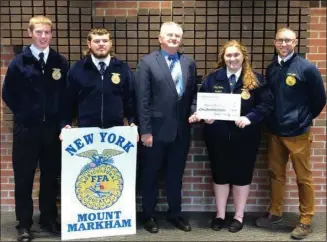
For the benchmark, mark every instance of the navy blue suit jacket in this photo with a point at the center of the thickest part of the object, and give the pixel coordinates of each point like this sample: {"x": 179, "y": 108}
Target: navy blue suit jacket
{"x": 160, "y": 111}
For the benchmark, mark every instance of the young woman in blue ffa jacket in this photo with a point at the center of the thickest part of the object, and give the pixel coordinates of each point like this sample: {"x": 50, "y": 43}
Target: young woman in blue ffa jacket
{"x": 33, "y": 90}
{"x": 99, "y": 86}
{"x": 233, "y": 146}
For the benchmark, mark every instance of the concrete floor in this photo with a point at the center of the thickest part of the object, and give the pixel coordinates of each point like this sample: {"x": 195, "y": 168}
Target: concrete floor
{"x": 201, "y": 230}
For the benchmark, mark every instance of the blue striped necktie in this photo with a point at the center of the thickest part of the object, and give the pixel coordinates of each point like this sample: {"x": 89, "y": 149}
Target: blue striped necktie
{"x": 102, "y": 67}
{"x": 177, "y": 77}
{"x": 232, "y": 82}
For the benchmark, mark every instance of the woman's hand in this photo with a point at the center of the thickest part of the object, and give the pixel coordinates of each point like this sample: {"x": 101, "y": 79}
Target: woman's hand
{"x": 242, "y": 122}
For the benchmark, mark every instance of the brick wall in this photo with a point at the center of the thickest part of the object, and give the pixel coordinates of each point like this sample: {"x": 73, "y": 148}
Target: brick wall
{"x": 207, "y": 25}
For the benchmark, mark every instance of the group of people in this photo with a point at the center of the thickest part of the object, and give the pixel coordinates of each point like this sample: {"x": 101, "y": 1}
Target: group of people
{"x": 45, "y": 95}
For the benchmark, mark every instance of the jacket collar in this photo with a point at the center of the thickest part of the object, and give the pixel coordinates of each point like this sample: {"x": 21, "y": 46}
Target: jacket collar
{"x": 287, "y": 63}
{"x": 221, "y": 74}
{"x": 30, "y": 58}
{"x": 88, "y": 63}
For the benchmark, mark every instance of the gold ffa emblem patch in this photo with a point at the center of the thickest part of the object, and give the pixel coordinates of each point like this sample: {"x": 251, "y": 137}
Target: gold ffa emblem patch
{"x": 56, "y": 74}
{"x": 245, "y": 94}
{"x": 99, "y": 184}
{"x": 290, "y": 80}
{"x": 115, "y": 78}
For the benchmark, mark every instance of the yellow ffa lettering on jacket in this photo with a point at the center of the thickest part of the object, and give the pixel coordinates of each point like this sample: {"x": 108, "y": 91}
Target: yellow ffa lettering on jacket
{"x": 115, "y": 78}
{"x": 290, "y": 80}
{"x": 56, "y": 74}
{"x": 245, "y": 94}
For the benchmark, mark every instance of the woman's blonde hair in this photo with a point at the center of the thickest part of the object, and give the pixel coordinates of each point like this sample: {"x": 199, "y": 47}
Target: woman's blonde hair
{"x": 97, "y": 31}
{"x": 39, "y": 20}
{"x": 250, "y": 80}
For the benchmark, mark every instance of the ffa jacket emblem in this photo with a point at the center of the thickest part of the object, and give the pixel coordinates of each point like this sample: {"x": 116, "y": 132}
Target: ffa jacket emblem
{"x": 245, "y": 94}
{"x": 115, "y": 78}
{"x": 99, "y": 184}
{"x": 290, "y": 80}
{"x": 56, "y": 74}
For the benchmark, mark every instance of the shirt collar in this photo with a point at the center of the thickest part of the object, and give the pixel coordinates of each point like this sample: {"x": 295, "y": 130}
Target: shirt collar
{"x": 286, "y": 58}
{"x": 96, "y": 61}
{"x": 237, "y": 74}
{"x": 35, "y": 52}
{"x": 166, "y": 54}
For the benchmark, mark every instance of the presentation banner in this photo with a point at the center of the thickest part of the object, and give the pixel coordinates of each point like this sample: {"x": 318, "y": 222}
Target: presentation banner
{"x": 98, "y": 182}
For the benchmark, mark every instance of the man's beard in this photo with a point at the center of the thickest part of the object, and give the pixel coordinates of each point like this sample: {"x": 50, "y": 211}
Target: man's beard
{"x": 100, "y": 56}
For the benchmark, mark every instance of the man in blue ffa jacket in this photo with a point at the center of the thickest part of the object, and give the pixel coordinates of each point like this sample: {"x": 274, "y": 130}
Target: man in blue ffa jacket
{"x": 299, "y": 98}
{"x": 166, "y": 87}
{"x": 99, "y": 86}
{"x": 33, "y": 90}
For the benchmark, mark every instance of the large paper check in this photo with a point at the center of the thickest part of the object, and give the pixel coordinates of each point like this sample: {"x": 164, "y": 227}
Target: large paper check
{"x": 218, "y": 106}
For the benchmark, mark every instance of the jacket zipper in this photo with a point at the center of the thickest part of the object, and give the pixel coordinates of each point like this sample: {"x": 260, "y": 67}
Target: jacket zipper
{"x": 44, "y": 98}
{"x": 102, "y": 103}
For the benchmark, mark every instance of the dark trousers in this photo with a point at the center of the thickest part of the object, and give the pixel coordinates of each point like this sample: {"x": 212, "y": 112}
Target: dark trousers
{"x": 33, "y": 145}
{"x": 172, "y": 156}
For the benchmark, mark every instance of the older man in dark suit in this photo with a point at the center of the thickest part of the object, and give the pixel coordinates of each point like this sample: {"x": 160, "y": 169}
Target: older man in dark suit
{"x": 166, "y": 89}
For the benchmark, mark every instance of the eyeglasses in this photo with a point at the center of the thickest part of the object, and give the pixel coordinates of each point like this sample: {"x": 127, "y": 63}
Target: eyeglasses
{"x": 287, "y": 41}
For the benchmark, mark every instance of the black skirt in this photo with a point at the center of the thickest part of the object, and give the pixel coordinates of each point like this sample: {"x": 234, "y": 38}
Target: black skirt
{"x": 232, "y": 156}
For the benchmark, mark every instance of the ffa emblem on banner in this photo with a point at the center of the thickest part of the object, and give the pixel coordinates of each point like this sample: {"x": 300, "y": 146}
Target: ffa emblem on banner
{"x": 99, "y": 184}
{"x": 245, "y": 94}
{"x": 115, "y": 78}
{"x": 290, "y": 80}
{"x": 56, "y": 74}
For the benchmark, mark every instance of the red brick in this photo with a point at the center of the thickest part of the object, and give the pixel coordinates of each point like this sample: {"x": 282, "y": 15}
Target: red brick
{"x": 149, "y": 4}
{"x": 9, "y": 186}
{"x": 322, "y": 49}
{"x": 316, "y": 42}
{"x": 99, "y": 12}
{"x": 318, "y": 12}
{"x": 208, "y": 179}
{"x": 165, "y": 4}
{"x": 315, "y": 56}
{"x": 6, "y": 57}
{"x": 115, "y": 12}
{"x": 209, "y": 193}
{"x": 319, "y": 166}
{"x": 323, "y": 71}
{"x": 317, "y": 26}
{"x": 322, "y": 35}
{"x": 132, "y": 12}
{"x": 7, "y": 172}
{"x": 202, "y": 187}
{"x": 318, "y": 145}
{"x": 322, "y": 20}
{"x": 192, "y": 179}
{"x": 194, "y": 165}
{"x": 3, "y": 70}
{"x": 193, "y": 193}
{"x": 108, "y": 4}
{"x": 314, "y": 19}
{"x": 319, "y": 180}
{"x": 201, "y": 172}
{"x": 313, "y": 49}
{"x": 126, "y": 4}
{"x": 10, "y": 201}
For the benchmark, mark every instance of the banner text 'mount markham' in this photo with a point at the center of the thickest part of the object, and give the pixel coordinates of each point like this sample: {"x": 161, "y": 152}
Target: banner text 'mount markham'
{"x": 101, "y": 220}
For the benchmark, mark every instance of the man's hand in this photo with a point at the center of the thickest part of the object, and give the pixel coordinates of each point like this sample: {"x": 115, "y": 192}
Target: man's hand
{"x": 193, "y": 118}
{"x": 66, "y": 127}
{"x": 147, "y": 140}
{"x": 242, "y": 122}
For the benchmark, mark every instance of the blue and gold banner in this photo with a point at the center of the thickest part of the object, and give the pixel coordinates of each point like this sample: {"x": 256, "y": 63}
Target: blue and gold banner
{"x": 98, "y": 182}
